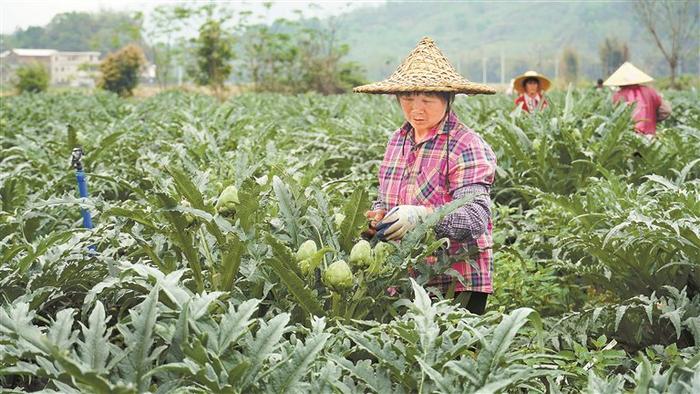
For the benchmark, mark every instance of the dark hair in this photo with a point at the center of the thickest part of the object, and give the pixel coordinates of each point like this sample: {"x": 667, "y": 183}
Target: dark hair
{"x": 449, "y": 97}
{"x": 528, "y": 79}
{"x": 600, "y": 81}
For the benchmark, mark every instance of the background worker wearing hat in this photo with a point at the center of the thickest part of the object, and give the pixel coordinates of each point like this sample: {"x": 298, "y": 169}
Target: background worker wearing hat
{"x": 531, "y": 86}
{"x": 650, "y": 107}
{"x": 433, "y": 159}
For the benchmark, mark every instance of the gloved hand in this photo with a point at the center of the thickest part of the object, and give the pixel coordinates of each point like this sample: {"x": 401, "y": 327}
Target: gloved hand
{"x": 400, "y": 220}
{"x": 374, "y": 217}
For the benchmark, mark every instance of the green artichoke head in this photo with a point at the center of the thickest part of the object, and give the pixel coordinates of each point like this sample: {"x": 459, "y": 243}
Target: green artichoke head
{"x": 338, "y": 276}
{"x": 306, "y": 250}
{"x": 227, "y": 202}
{"x": 189, "y": 218}
{"x": 361, "y": 254}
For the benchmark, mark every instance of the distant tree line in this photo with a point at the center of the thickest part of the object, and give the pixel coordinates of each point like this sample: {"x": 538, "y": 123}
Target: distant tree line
{"x": 308, "y": 54}
{"x": 105, "y": 31}
{"x": 289, "y": 56}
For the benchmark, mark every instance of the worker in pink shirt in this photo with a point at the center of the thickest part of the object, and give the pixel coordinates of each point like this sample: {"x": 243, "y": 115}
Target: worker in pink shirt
{"x": 430, "y": 161}
{"x": 650, "y": 107}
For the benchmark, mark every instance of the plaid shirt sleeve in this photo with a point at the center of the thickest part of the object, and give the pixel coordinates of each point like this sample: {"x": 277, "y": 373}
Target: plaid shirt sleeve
{"x": 473, "y": 162}
{"x": 470, "y": 220}
{"x": 473, "y": 174}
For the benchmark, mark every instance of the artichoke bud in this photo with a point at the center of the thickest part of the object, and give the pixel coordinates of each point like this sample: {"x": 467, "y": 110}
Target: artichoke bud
{"x": 227, "y": 202}
{"x": 381, "y": 252}
{"x": 307, "y": 266}
{"x": 338, "y": 276}
{"x": 361, "y": 254}
{"x": 189, "y": 218}
{"x": 306, "y": 250}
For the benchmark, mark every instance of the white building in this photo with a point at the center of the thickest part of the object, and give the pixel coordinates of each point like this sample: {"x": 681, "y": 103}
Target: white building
{"x": 65, "y": 68}
{"x": 74, "y": 68}
{"x": 148, "y": 74}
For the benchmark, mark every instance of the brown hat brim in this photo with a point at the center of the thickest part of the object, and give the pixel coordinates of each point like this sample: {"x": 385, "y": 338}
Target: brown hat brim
{"x": 388, "y": 87}
{"x": 425, "y": 69}
{"x": 545, "y": 83}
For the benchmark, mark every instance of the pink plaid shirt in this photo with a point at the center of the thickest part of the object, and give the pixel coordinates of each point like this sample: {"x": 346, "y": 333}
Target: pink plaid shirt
{"x": 414, "y": 174}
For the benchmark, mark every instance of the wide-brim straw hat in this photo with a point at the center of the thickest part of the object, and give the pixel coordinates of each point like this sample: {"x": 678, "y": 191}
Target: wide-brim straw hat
{"x": 627, "y": 74}
{"x": 545, "y": 83}
{"x": 425, "y": 69}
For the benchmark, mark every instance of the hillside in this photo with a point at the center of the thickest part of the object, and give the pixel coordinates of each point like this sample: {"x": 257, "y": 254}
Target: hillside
{"x": 105, "y": 31}
{"x": 525, "y": 35}
{"x": 529, "y": 35}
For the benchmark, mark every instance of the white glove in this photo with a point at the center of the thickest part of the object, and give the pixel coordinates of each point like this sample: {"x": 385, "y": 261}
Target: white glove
{"x": 400, "y": 220}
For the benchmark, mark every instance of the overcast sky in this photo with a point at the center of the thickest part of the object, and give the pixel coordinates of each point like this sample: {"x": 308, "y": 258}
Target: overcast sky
{"x": 21, "y": 14}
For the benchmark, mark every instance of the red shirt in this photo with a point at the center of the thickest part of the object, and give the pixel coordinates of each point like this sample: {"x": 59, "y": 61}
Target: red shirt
{"x": 522, "y": 102}
{"x": 647, "y": 102}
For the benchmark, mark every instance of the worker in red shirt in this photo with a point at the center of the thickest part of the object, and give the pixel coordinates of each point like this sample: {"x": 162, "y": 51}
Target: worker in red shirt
{"x": 649, "y": 106}
{"x": 531, "y": 87}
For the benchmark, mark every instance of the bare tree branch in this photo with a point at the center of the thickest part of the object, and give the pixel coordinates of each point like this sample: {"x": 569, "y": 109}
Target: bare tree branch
{"x": 671, "y": 24}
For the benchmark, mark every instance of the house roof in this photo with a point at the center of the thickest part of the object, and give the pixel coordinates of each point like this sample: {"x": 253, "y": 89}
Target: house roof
{"x": 79, "y": 53}
{"x": 34, "y": 52}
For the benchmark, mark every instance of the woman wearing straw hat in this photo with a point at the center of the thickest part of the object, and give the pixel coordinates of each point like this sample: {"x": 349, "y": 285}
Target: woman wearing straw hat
{"x": 650, "y": 107}
{"x": 431, "y": 160}
{"x": 531, "y": 85}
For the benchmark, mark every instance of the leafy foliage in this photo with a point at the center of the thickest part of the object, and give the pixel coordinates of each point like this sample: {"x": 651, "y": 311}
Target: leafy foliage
{"x": 103, "y": 31}
{"x": 595, "y": 231}
{"x": 32, "y": 78}
{"x": 297, "y": 56}
{"x": 120, "y": 70}
{"x": 214, "y": 51}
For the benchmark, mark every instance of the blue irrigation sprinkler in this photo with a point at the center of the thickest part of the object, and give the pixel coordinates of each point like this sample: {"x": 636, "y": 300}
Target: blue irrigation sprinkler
{"x": 76, "y": 156}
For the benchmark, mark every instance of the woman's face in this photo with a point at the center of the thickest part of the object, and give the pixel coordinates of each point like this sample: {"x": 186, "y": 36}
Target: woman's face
{"x": 532, "y": 87}
{"x": 423, "y": 111}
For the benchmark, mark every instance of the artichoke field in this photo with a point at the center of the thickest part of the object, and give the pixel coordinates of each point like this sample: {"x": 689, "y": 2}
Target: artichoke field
{"x": 226, "y": 256}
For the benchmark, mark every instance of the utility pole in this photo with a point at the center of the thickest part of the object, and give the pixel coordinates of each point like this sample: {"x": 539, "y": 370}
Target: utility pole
{"x": 503, "y": 68}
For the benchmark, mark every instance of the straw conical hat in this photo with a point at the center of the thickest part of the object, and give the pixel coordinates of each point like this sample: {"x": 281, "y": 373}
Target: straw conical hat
{"x": 627, "y": 74}
{"x": 425, "y": 69}
{"x": 545, "y": 83}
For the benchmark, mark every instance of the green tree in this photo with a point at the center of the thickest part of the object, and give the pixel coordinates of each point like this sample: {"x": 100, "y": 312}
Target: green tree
{"x": 298, "y": 56}
{"x": 269, "y": 56}
{"x": 322, "y": 65}
{"x": 105, "y": 31}
{"x": 120, "y": 70}
{"x": 569, "y": 66}
{"x": 31, "y": 37}
{"x": 214, "y": 52}
{"x": 612, "y": 55}
{"x": 32, "y": 78}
